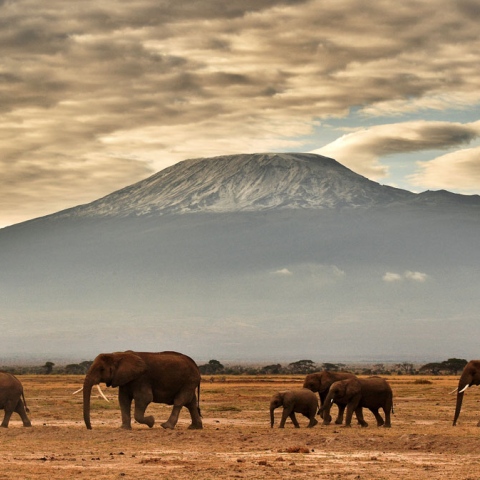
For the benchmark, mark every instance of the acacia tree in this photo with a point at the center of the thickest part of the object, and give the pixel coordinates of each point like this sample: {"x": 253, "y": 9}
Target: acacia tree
{"x": 302, "y": 367}
{"x": 48, "y": 367}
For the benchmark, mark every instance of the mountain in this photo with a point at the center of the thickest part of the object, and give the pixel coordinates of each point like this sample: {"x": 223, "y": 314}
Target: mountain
{"x": 268, "y": 257}
{"x": 245, "y": 183}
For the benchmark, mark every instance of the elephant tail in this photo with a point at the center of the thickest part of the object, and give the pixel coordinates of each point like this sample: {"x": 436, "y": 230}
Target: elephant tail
{"x": 198, "y": 402}
{"x": 25, "y": 403}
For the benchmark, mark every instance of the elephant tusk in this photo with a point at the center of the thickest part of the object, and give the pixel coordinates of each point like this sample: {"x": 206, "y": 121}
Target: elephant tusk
{"x": 453, "y": 391}
{"x": 99, "y": 391}
{"x": 331, "y": 401}
{"x": 463, "y": 389}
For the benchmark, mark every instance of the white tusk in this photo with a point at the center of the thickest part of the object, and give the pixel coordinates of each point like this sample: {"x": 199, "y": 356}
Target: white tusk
{"x": 463, "y": 389}
{"x": 453, "y": 391}
{"x": 331, "y": 401}
{"x": 101, "y": 393}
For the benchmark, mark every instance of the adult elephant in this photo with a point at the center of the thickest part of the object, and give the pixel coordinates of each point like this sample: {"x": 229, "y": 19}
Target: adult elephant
{"x": 165, "y": 377}
{"x": 320, "y": 382}
{"x": 470, "y": 376}
{"x": 302, "y": 401}
{"x": 372, "y": 393}
{"x": 12, "y": 399}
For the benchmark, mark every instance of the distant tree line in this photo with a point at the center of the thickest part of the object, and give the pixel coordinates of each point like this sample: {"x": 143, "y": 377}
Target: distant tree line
{"x": 452, "y": 366}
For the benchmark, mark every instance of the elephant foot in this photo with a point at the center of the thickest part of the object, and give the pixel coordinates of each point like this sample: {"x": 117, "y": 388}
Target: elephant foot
{"x": 338, "y": 422}
{"x": 195, "y": 427}
{"x": 167, "y": 426}
{"x": 326, "y": 423}
{"x": 27, "y": 425}
{"x": 126, "y": 427}
{"x": 149, "y": 421}
{"x": 312, "y": 423}
{"x": 364, "y": 425}
{"x": 4, "y": 426}
{"x": 387, "y": 426}
{"x": 347, "y": 426}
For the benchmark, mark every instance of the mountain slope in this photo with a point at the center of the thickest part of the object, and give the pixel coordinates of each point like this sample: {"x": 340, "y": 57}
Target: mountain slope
{"x": 247, "y": 257}
{"x": 245, "y": 183}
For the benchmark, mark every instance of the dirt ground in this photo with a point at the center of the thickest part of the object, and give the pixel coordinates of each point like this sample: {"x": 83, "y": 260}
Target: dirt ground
{"x": 237, "y": 441}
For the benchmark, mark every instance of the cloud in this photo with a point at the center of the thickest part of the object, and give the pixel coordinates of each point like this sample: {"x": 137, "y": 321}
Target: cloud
{"x": 391, "y": 277}
{"x": 154, "y": 82}
{"x": 361, "y": 150}
{"x": 451, "y": 170}
{"x": 283, "y": 272}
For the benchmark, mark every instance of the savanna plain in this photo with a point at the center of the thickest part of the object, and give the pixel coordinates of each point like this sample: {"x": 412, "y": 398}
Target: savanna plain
{"x": 237, "y": 441}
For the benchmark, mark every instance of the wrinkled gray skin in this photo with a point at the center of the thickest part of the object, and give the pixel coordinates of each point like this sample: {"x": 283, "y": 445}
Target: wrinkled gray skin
{"x": 470, "y": 376}
{"x": 372, "y": 393}
{"x": 12, "y": 399}
{"x": 166, "y": 377}
{"x": 302, "y": 401}
{"x": 320, "y": 382}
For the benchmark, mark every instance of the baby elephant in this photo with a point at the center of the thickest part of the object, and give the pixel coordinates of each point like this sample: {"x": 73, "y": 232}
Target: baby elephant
{"x": 12, "y": 399}
{"x": 372, "y": 393}
{"x": 302, "y": 401}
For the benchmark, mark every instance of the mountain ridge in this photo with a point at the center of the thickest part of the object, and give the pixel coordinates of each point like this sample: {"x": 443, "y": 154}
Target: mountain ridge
{"x": 246, "y": 182}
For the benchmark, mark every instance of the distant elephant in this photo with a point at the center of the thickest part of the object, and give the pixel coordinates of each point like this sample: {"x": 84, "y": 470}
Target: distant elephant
{"x": 372, "y": 393}
{"x": 470, "y": 376}
{"x": 166, "y": 377}
{"x": 302, "y": 401}
{"x": 320, "y": 382}
{"x": 12, "y": 399}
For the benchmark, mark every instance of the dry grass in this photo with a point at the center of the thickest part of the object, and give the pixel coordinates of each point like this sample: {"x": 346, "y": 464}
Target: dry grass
{"x": 237, "y": 441}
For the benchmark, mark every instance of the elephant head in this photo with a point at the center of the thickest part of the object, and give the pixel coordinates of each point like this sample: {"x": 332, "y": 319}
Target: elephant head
{"x": 470, "y": 376}
{"x": 340, "y": 392}
{"x": 275, "y": 402}
{"x": 113, "y": 369}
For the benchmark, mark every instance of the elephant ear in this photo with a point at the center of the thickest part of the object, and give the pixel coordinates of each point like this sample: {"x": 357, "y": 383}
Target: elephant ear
{"x": 129, "y": 367}
{"x": 352, "y": 387}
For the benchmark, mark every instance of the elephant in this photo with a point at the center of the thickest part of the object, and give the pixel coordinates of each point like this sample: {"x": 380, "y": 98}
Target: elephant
{"x": 12, "y": 399}
{"x": 164, "y": 377}
{"x": 470, "y": 376}
{"x": 320, "y": 382}
{"x": 302, "y": 401}
{"x": 372, "y": 393}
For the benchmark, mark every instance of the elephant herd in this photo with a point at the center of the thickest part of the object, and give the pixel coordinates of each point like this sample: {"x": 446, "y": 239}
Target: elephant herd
{"x": 174, "y": 379}
{"x": 345, "y": 390}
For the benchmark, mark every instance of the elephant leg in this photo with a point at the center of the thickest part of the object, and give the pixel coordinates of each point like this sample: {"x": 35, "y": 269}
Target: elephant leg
{"x": 387, "y": 411}
{"x": 125, "y": 401}
{"x": 142, "y": 399}
{"x": 6, "y": 418}
{"x": 173, "y": 419}
{"x": 341, "y": 410}
{"x": 313, "y": 420}
{"x": 195, "y": 414}
{"x": 359, "y": 415}
{"x": 20, "y": 409}
{"x": 287, "y": 411}
{"x": 378, "y": 417}
{"x": 294, "y": 420}
{"x": 9, "y": 409}
{"x": 349, "y": 415}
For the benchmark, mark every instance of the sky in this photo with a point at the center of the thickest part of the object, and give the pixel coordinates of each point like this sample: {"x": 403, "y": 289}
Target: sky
{"x": 95, "y": 96}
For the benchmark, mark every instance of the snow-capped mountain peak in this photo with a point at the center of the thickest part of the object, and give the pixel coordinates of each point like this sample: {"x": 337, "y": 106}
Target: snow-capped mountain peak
{"x": 248, "y": 182}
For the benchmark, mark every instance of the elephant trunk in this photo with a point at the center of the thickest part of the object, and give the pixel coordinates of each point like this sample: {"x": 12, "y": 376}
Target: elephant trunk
{"x": 463, "y": 384}
{"x": 87, "y": 390}
{"x": 272, "y": 416}
{"x": 458, "y": 407}
{"x": 325, "y": 410}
